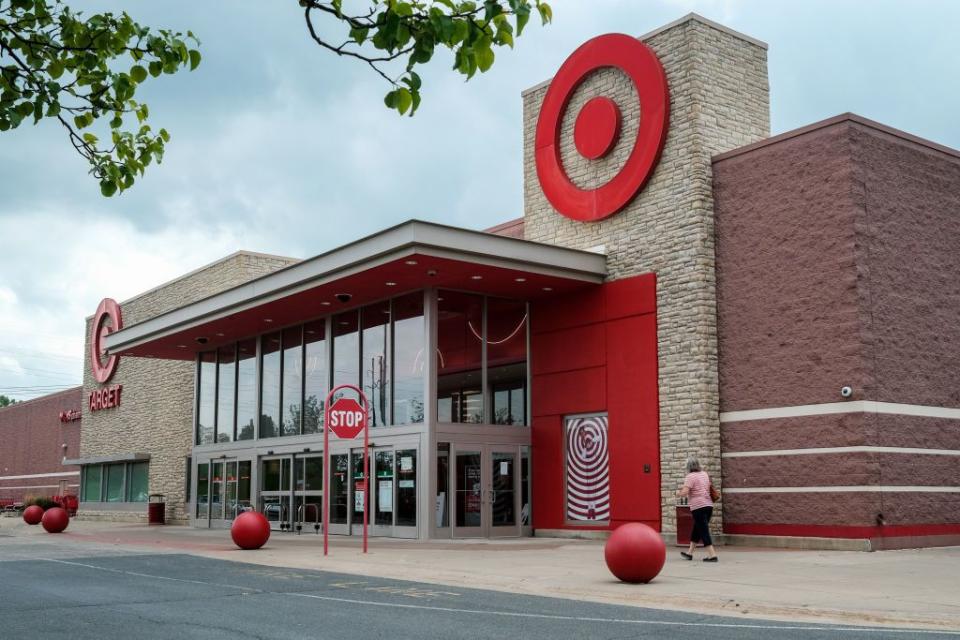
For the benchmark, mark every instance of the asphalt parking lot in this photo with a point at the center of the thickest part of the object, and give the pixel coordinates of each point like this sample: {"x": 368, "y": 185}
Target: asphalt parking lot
{"x": 49, "y": 592}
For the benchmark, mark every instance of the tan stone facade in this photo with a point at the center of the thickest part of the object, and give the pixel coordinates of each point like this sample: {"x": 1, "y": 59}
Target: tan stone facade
{"x": 156, "y": 411}
{"x": 719, "y": 100}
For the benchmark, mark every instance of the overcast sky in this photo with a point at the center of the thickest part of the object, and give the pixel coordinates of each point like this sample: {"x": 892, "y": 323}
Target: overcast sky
{"x": 280, "y": 147}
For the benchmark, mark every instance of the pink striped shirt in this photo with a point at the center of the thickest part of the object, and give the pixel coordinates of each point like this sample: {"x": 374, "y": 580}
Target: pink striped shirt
{"x": 699, "y": 484}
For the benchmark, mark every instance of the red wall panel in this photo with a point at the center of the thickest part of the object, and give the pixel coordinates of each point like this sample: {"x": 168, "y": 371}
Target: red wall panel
{"x": 596, "y": 351}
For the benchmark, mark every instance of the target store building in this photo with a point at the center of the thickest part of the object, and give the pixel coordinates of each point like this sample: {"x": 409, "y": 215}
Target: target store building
{"x": 784, "y": 308}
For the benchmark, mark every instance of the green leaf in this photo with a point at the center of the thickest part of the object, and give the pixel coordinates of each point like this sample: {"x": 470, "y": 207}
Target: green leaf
{"x": 194, "y": 59}
{"x": 546, "y": 13}
{"x": 404, "y": 100}
{"x": 108, "y": 187}
{"x": 138, "y": 73}
{"x": 164, "y": 135}
{"x": 484, "y": 56}
{"x": 89, "y": 138}
{"x": 156, "y": 68}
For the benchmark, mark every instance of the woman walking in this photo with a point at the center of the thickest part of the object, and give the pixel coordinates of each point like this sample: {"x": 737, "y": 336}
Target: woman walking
{"x": 696, "y": 488}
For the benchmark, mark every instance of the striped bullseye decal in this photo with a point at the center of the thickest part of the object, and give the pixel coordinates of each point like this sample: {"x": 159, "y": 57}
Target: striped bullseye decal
{"x": 588, "y": 469}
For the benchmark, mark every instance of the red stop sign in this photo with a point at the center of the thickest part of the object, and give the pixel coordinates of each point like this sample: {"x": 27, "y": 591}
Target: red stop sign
{"x": 346, "y": 418}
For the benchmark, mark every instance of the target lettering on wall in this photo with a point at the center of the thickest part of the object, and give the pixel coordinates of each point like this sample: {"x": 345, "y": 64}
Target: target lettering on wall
{"x": 588, "y": 469}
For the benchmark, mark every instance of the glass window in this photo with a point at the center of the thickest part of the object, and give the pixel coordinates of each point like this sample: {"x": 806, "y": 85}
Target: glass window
{"x": 115, "y": 483}
{"x": 375, "y": 361}
{"x": 203, "y": 489}
{"x": 346, "y": 349}
{"x": 243, "y": 485}
{"x": 443, "y": 482}
{"x": 525, "y": 486}
{"x": 91, "y": 482}
{"x": 271, "y": 475}
{"x": 338, "y": 488}
{"x": 315, "y": 384}
{"x": 137, "y": 482}
{"x": 207, "y": 392}
{"x": 357, "y": 486}
{"x": 270, "y": 385}
{"x": 292, "y": 380}
{"x": 383, "y": 490}
{"x": 246, "y": 389}
{"x": 406, "y": 488}
{"x": 408, "y": 357}
{"x": 226, "y": 384}
{"x": 313, "y": 473}
{"x": 507, "y": 360}
{"x": 469, "y": 489}
{"x": 459, "y": 357}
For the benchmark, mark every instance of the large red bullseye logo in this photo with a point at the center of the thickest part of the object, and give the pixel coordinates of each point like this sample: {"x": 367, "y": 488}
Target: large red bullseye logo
{"x": 597, "y": 127}
{"x": 105, "y": 321}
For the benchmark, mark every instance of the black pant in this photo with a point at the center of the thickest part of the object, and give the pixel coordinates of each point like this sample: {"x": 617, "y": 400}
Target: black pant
{"x": 701, "y": 526}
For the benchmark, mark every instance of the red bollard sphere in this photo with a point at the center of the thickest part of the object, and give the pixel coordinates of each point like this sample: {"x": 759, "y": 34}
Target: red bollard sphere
{"x": 635, "y": 553}
{"x": 33, "y": 514}
{"x": 55, "y": 520}
{"x": 250, "y": 530}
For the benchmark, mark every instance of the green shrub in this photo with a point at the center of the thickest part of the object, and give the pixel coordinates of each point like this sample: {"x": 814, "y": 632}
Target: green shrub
{"x": 41, "y": 501}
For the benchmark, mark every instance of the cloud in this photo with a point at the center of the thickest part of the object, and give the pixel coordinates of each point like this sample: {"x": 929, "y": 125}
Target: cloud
{"x": 279, "y": 146}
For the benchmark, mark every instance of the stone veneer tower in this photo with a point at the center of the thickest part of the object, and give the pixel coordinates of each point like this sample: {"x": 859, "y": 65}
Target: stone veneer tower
{"x": 719, "y": 100}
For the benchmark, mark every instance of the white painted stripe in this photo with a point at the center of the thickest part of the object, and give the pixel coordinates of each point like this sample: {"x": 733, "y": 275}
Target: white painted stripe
{"x": 42, "y": 475}
{"x": 820, "y": 450}
{"x": 828, "y": 408}
{"x": 37, "y": 486}
{"x": 537, "y": 616}
{"x": 858, "y": 488}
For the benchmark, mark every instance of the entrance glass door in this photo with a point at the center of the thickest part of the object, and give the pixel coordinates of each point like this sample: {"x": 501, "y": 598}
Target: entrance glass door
{"x": 486, "y": 491}
{"x": 223, "y": 490}
{"x": 275, "y": 490}
{"x": 308, "y": 494}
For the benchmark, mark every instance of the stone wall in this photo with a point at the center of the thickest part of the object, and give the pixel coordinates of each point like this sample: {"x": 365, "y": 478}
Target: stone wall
{"x": 719, "y": 100}
{"x": 156, "y": 412}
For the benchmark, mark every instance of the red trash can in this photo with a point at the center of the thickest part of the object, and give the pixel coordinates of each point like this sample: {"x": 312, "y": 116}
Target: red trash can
{"x": 157, "y": 509}
{"x": 684, "y": 525}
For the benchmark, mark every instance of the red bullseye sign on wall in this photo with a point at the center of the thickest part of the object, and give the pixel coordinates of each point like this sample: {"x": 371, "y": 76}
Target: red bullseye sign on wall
{"x": 106, "y": 320}
{"x": 598, "y": 125}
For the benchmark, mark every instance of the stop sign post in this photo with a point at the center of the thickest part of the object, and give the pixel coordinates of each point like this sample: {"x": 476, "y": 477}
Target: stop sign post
{"x": 346, "y": 418}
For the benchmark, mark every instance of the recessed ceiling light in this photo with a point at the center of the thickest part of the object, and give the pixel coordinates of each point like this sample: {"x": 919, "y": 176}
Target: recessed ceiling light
{"x": 268, "y": 319}
{"x": 411, "y": 262}
{"x": 520, "y": 279}
{"x": 181, "y": 346}
{"x": 311, "y": 331}
{"x": 219, "y": 334}
{"x": 325, "y": 303}
{"x": 344, "y": 323}
{"x": 390, "y": 284}
{"x": 548, "y": 288}
{"x": 476, "y": 277}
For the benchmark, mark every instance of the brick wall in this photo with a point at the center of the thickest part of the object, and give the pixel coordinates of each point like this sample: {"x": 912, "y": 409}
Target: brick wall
{"x": 718, "y": 101}
{"x": 156, "y": 413}
{"x": 31, "y": 445}
{"x": 837, "y": 251}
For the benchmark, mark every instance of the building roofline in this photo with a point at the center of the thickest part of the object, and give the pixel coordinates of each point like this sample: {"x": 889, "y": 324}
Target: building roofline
{"x": 193, "y": 272}
{"x": 690, "y": 17}
{"x": 829, "y": 122}
{"x": 20, "y": 403}
{"x": 414, "y": 236}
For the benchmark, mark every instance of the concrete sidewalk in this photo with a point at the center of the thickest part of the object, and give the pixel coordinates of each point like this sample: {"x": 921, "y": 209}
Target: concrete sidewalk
{"x": 910, "y": 588}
